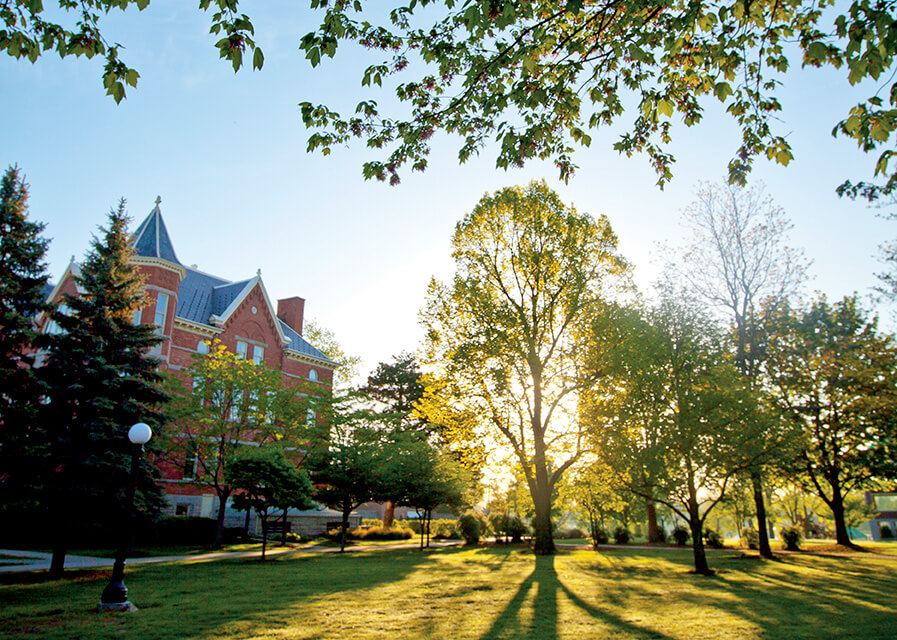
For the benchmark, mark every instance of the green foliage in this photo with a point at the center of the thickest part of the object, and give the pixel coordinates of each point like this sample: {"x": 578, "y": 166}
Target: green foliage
{"x": 530, "y": 271}
{"x": 541, "y": 78}
{"x": 835, "y": 376}
{"x": 221, "y": 400}
{"x": 712, "y": 539}
{"x": 571, "y": 533}
{"x": 22, "y": 280}
{"x": 599, "y": 536}
{"x": 471, "y": 527}
{"x": 100, "y": 380}
{"x": 621, "y": 535}
{"x": 750, "y": 538}
{"x": 680, "y": 535}
{"x": 791, "y": 538}
{"x": 30, "y": 31}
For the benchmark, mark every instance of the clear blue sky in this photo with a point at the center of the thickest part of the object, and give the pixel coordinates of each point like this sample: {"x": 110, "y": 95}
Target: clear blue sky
{"x": 227, "y": 155}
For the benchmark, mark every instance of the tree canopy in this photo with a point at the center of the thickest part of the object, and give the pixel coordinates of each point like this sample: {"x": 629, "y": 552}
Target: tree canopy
{"x": 539, "y": 78}
{"x": 508, "y": 331}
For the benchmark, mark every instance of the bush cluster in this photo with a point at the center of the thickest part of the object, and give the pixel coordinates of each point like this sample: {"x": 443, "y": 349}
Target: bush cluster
{"x": 372, "y": 533}
{"x": 621, "y": 535}
{"x": 471, "y": 526}
{"x": 791, "y": 538}
{"x": 750, "y": 538}
{"x": 186, "y": 530}
{"x": 570, "y": 533}
{"x": 713, "y": 539}
{"x": 680, "y": 535}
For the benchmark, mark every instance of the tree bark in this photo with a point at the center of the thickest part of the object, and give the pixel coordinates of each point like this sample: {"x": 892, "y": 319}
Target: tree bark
{"x": 842, "y": 536}
{"x": 760, "y": 504}
{"x": 654, "y": 534}
{"x": 697, "y": 544}
{"x": 543, "y": 542}
{"x": 389, "y": 514}
{"x": 223, "y": 495}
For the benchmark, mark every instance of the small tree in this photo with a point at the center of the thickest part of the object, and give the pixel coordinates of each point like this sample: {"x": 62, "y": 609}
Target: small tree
{"x": 23, "y": 279}
{"x": 222, "y": 401}
{"x": 345, "y": 453}
{"x": 100, "y": 380}
{"x": 264, "y": 480}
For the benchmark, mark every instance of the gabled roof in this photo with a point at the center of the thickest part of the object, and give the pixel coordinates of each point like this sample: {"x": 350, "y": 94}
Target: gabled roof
{"x": 151, "y": 240}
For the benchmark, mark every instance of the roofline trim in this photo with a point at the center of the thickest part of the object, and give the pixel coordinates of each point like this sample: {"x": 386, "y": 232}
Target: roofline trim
{"x": 72, "y": 269}
{"x": 179, "y": 269}
{"x": 237, "y": 301}
{"x": 304, "y": 357}
{"x": 196, "y": 327}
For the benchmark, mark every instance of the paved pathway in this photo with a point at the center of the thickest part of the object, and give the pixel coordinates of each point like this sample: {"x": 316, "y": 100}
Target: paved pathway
{"x": 39, "y": 561}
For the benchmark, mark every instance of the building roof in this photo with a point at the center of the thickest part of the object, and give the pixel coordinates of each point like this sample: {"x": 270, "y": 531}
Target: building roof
{"x": 151, "y": 240}
{"x": 203, "y": 295}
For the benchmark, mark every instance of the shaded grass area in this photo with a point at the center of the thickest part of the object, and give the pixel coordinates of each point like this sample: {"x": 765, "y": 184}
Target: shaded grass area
{"x": 475, "y": 593}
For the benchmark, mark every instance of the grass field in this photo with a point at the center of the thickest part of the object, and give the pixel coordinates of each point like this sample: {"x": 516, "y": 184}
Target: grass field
{"x": 473, "y": 593}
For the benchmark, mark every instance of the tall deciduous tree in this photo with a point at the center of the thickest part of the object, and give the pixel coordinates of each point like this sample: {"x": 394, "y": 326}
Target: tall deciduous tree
{"x": 694, "y": 403}
{"x": 100, "y": 381}
{"x": 835, "y": 375}
{"x": 739, "y": 262}
{"x": 509, "y": 329}
{"x": 222, "y": 401}
{"x": 23, "y": 279}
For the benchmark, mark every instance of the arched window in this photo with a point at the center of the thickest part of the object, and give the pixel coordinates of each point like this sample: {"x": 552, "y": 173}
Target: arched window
{"x": 202, "y": 347}
{"x": 312, "y": 375}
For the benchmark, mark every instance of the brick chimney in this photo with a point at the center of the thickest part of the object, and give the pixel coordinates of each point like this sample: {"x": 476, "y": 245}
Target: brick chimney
{"x": 291, "y": 310}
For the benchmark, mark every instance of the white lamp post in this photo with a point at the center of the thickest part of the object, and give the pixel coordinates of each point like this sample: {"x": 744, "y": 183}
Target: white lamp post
{"x": 115, "y": 595}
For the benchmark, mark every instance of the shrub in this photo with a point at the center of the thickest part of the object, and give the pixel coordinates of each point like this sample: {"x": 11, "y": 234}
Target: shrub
{"x": 371, "y": 522}
{"x": 621, "y": 535}
{"x": 517, "y": 529}
{"x": 599, "y": 536}
{"x": 186, "y": 530}
{"x": 470, "y": 527}
{"x": 381, "y": 533}
{"x": 294, "y": 537}
{"x": 713, "y": 539}
{"x": 571, "y": 533}
{"x": 791, "y": 538}
{"x": 444, "y": 530}
{"x": 750, "y": 538}
{"x": 885, "y": 532}
{"x": 680, "y": 535}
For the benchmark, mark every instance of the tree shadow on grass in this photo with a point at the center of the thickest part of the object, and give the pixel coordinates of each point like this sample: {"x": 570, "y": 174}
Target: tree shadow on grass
{"x": 511, "y": 622}
{"x": 200, "y": 599}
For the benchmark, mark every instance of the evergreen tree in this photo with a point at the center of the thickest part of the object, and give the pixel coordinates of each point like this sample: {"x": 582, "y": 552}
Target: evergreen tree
{"x": 100, "y": 381}
{"x": 22, "y": 281}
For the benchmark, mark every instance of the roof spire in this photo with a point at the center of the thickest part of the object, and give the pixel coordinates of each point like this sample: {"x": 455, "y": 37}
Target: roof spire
{"x": 151, "y": 239}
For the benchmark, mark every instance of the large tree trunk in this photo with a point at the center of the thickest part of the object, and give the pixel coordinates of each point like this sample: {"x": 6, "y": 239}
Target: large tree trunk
{"x": 654, "y": 534}
{"x": 223, "y": 495}
{"x": 697, "y": 543}
{"x": 760, "y": 504}
{"x": 837, "y": 506}
{"x": 543, "y": 542}
{"x": 389, "y": 514}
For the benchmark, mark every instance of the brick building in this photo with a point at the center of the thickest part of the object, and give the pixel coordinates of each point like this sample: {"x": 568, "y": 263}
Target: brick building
{"x": 191, "y": 308}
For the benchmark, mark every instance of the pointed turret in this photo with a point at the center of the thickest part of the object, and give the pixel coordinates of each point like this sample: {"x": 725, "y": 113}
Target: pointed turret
{"x": 151, "y": 239}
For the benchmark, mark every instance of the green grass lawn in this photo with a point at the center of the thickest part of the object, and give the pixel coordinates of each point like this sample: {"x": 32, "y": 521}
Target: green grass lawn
{"x": 472, "y": 593}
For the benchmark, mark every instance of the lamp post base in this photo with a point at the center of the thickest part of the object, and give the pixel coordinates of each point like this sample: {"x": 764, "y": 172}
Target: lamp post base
{"x": 111, "y": 607}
